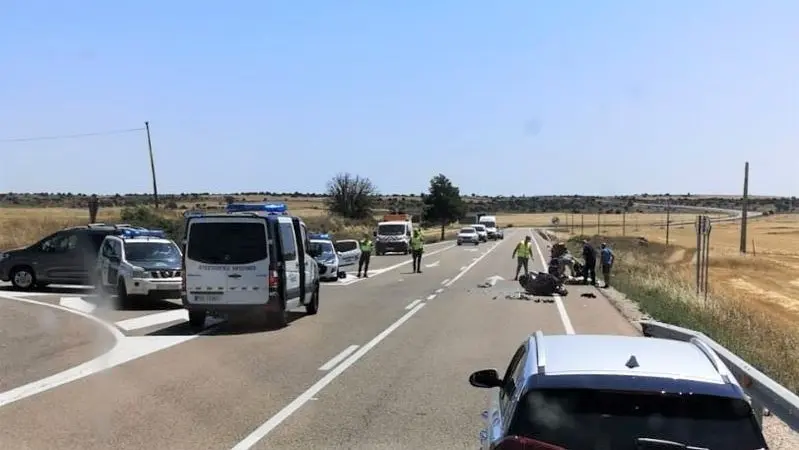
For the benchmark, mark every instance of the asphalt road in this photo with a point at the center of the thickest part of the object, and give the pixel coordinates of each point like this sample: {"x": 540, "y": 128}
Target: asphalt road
{"x": 383, "y": 365}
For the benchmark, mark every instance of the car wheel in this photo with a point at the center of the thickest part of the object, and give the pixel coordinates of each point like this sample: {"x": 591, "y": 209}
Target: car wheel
{"x": 459, "y": 242}
{"x": 123, "y": 299}
{"x": 477, "y": 243}
{"x": 23, "y": 278}
{"x": 197, "y": 319}
{"x": 313, "y": 307}
{"x": 276, "y": 317}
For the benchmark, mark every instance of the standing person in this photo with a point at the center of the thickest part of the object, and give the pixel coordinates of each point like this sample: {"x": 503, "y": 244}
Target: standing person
{"x": 523, "y": 252}
{"x": 589, "y": 269}
{"x": 417, "y": 248}
{"x": 366, "y": 254}
{"x": 606, "y": 258}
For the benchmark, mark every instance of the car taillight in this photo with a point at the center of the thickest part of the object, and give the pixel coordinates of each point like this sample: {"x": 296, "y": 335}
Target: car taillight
{"x": 523, "y": 443}
{"x": 183, "y": 274}
{"x": 274, "y": 281}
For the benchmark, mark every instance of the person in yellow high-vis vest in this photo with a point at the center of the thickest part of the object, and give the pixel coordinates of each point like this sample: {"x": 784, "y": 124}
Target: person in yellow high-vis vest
{"x": 417, "y": 248}
{"x": 366, "y": 254}
{"x": 523, "y": 253}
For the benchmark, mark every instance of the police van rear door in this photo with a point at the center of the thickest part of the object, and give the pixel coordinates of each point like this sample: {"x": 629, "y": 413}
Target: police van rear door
{"x": 227, "y": 260}
{"x": 350, "y": 252}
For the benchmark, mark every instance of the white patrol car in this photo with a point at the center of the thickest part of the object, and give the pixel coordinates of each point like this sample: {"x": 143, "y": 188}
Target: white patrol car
{"x": 329, "y": 260}
{"x": 139, "y": 262}
{"x": 255, "y": 259}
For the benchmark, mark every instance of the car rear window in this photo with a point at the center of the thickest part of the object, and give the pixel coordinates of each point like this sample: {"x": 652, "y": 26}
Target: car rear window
{"x": 346, "y": 246}
{"x": 227, "y": 242}
{"x": 585, "y": 418}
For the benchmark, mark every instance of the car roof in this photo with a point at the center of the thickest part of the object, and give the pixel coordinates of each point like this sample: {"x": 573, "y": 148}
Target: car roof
{"x": 626, "y": 356}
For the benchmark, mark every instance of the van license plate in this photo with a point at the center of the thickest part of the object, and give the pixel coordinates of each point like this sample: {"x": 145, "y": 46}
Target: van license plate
{"x": 205, "y": 298}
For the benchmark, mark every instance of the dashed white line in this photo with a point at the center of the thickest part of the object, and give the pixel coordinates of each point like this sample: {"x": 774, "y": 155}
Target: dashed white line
{"x": 306, "y": 396}
{"x": 564, "y": 316}
{"x": 474, "y": 263}
{"x": 413, "y": 304}
{"x": 338, "y": 358}
{"x": 431, "y": 296}
{"x": 440, "y": 290}
{"x": 373, "y": 273}
{"x": 445, "y": 281}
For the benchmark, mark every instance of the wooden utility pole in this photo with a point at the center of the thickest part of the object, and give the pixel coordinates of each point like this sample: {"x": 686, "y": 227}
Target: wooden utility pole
{"x": 152, "y": 163}
{"x": 745, "y": 208}
{"x": 668, "y": 217}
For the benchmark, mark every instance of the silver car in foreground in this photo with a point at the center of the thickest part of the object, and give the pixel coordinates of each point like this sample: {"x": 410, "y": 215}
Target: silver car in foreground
{"x": 587, "y": 392}
{"x": 468, "y": 235}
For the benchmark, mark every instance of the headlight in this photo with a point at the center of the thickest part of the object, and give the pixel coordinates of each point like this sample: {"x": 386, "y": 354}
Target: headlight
{"x": 140, "y": 273}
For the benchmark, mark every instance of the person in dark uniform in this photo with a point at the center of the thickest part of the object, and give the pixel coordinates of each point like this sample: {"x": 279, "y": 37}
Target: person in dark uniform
{"x": 589, "y": 269}
{"x": 606, "y": 260}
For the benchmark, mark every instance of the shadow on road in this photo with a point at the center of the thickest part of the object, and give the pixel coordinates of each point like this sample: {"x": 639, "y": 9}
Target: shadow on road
{"x": 230, "y": 327}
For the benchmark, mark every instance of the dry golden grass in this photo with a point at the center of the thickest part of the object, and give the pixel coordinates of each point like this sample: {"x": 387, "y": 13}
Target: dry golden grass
{"x": 588, "y": 222}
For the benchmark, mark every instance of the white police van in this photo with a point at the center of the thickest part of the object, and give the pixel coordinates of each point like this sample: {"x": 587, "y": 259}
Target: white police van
{"x": 139, "y": 262}
{"x": 253, "y": 259}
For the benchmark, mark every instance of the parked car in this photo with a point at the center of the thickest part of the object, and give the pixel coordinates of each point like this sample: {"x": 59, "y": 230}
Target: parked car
{"x": 468, "y": 235}
{"x": 616, "y": 392}
{"x": 481, "y": 231}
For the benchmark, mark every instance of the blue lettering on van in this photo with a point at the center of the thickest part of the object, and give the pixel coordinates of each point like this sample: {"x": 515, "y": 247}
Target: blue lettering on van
{"x": 225, "y": 268}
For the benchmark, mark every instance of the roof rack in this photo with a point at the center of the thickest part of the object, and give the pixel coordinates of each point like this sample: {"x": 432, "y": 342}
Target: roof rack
{"x": 540, "y": 354}
{"x": 320, "y": 236}
{"x": 712, "y": 356}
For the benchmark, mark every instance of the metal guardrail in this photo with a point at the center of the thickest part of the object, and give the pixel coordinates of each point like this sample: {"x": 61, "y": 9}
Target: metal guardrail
{"x": 763, "y": 392}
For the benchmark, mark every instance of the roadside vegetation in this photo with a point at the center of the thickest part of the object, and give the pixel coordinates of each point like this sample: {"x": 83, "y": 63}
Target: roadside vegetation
{"x": 651, "y": 274}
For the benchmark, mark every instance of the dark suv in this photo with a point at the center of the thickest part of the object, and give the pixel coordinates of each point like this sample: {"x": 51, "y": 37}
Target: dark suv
{"x": 65, "y": 257}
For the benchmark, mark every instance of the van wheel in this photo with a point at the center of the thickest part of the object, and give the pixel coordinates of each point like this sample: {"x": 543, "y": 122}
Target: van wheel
{"x": 276, "y": 318}
{"x": 313, "y": 307}
{"x": 197, "y": 319}
{"x": 123, "y": 299}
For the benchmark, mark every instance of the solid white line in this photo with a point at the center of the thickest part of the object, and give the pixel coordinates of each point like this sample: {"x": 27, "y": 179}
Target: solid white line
{"x": 338, "y": 358}
{"x": 564, "y": 316}
{"x": 440, "y": 290}
{"x": 303, "y": 398}
{"x": 462, "y": 268}
{"x": 413, "y": 304}
{"x": 474, "y": 263}
{"x": 431, "y": 296}
{"x": 150, "y": 320}
{"x": 445, "y": 281}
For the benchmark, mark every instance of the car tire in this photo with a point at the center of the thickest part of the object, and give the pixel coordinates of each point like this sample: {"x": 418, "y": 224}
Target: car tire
{"x": 123, "y": 299}
{"x": 23, "y": 278}
{"x": 197, "y": 318}
{"x": 459, "y": 242}
{"x": 477, "y": 243}
{"x": 313, "y": 307}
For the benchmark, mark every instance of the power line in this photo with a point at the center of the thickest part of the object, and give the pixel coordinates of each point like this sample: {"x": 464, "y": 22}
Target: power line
{"x": 71, "y": 136}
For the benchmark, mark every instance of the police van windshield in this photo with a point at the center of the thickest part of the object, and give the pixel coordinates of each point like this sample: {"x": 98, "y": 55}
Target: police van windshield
{"x": 585, "y": 418}
{"x": 152, "y": 251}
{"x": 392, "y": 229}
{"x": 227, "y": 242}
{"x": 489, "y": 224}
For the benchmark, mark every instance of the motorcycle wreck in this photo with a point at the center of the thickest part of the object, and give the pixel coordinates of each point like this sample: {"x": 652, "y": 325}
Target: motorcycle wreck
{"x": 542, "y": 284}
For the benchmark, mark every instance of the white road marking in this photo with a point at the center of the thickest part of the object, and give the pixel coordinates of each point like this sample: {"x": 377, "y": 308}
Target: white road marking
{"x": 471, "y": 250}
{"x": 462, "y": 268}
{"x": 445, "y": 281}
{"x": 433, "y": 264}
{"x": 78, "y": 304}
{"x": 373, "y": 273}
{"x": 492, "y": 281}
{"x": 564, "y": 316}
{"x": 474, "y": 263}
{"x": 125, "y": 349}
{"x": 338, "y": 358}
{"x": 413, "y": 304}
{"x": 440, "y": 290}
{"x": 431, "y": 296}
{"x": 150, "y": 320}
{"x": 303, "y": 398}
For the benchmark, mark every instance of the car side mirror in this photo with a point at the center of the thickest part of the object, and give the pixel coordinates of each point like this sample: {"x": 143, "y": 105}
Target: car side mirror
{"x": 486, "y": 378}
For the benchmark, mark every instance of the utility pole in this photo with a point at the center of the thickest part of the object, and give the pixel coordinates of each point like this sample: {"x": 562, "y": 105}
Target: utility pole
{"x": 152, "y": 163}
{"x": 745, "y": 208}
{"x": 668, "y": 217}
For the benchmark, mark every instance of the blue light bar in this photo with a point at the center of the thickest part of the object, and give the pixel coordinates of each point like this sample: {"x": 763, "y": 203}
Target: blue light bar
{"x": 320, "y": 236}
{"x": 268, "y": 208}
{"x": 142, "y": 232}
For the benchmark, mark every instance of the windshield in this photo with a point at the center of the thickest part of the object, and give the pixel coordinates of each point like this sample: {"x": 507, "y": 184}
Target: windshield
{"x": 152, "y": 251}
{"x": 325, "y": 248}
{"x": 479, "y": 228}
{"x": 227, "y": 242}
{"x": 591, "y": 419}
{"x": 489, "y": 224}
{"x": 393, "y": 229}
{"x": 467, "y": 230}
{"x": 346, "y": 246}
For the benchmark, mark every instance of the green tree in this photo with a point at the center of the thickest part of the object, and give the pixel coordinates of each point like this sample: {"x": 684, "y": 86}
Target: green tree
{"x": 443, "y": 203}
{"x": 351, "y": 196}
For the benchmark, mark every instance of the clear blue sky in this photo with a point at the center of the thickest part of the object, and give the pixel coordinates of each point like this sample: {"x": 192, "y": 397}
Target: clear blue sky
{"x": 508, "y": 97}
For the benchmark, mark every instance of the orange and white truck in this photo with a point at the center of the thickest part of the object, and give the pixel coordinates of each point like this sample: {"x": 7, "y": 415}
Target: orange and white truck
{"x": 393, "y": 234}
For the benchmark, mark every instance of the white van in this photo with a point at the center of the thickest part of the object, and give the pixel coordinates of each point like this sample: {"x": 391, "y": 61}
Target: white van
{"x": 248, "y": 263}
{"x": 490, "y": 223}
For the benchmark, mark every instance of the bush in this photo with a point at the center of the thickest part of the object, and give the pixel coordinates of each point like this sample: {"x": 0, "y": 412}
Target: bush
{"x": 143, "y": 216}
